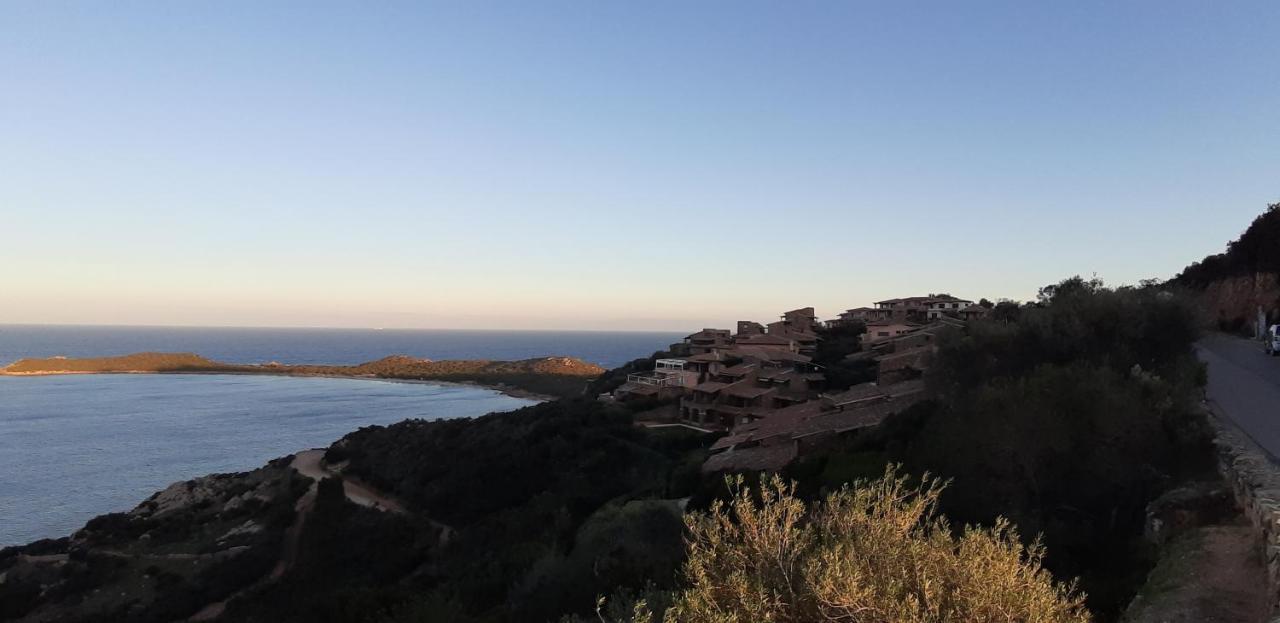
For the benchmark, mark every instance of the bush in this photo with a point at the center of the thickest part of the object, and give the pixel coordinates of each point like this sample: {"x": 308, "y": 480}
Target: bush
{"x": 873, "y": 552}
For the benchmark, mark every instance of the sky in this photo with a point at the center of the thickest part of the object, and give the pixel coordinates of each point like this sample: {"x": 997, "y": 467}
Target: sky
{"x": 614, "y": 165}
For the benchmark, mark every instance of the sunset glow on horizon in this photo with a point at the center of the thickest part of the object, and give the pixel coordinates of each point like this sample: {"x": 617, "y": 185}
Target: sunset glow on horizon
{"x": 613, "y": 166}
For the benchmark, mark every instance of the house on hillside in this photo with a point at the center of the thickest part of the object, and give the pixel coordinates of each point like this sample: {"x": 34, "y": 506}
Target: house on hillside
{"x": 911, "y": 308}
{"x": 767, "y": 340}
{"x": 799, "y": 326}
{"x": 749, "y": 383}
{"x": 772, "y": 442}
{"x": 884, "y": 329}
{"x": 940, "y": 305}
{"x": 860, "y": 314}
{"x": 974, "y": 312}
{"x": 923, "y": 308}
{"x": 800, "y": 320}
{"x": 668, "y": 379}
{"x": 707, "y": 340}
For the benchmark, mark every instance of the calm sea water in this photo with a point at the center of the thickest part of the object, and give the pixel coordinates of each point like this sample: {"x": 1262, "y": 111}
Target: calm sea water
{"x": 336, "y": 346}
{"x": 74, "y": 447}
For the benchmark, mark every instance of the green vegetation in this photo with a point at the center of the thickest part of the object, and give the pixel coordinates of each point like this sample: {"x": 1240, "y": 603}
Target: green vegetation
{"x": 1067, "y": 417}
{"x": 834, "y": 345}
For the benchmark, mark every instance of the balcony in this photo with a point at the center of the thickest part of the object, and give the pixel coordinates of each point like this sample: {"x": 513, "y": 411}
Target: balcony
{"x": 656, "y": 379}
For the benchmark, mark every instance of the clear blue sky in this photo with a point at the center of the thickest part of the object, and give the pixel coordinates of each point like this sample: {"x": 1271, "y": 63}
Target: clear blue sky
{"x": 603, "y": 165}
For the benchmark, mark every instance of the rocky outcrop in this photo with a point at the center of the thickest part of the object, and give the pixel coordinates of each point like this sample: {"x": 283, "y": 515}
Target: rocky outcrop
{"x": 1233, "y": 302}
{"x": 192, "y": 543}
{"x": 227, "y": 492}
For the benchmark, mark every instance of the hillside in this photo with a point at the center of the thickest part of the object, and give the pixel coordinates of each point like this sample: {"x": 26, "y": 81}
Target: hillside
{"x": 548, "y": 376}
{"x": 1232, "y": 285}
{"x": 1057, "y": 419}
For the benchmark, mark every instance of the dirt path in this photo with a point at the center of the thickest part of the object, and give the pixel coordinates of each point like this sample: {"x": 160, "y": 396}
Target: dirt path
{"x": 1213, "y": 574}
{"x": 310, "y": 463}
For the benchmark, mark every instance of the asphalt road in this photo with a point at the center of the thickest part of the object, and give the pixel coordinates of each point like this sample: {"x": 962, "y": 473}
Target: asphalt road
{"x": 1244, "y": 385}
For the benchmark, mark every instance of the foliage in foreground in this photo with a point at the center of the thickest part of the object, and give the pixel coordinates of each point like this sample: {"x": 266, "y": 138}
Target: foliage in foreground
{"x": 874, "y": 552}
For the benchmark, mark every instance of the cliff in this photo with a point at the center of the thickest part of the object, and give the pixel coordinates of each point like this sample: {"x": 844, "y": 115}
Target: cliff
{"x": 1229, "y": 287}
{"x": 1231, "y": 303}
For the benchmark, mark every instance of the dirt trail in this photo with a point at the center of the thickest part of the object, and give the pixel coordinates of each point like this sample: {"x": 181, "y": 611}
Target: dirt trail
{"x": 310, "y": 463}
{"x": 1213, "y": 574}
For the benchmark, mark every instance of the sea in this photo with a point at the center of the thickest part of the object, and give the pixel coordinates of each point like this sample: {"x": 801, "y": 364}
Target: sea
{"x": 76, "y": 446}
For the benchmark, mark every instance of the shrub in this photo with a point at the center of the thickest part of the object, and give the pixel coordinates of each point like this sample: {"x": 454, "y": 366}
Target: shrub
{"x": 874, "y": 552}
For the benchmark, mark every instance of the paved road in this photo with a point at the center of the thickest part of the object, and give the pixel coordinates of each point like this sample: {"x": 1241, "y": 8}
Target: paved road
{"x": 1244, "y": 385}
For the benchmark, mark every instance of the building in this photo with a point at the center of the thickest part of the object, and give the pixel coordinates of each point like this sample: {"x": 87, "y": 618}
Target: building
{"x": 799, "y": 326}
{"x": 772, "y": 442}
{"x": 923, "y": 308}
{"x": 944, "y": 305}
{"x": 860, "y": 314}
{"x": 747, "y": 383}
{"x": 884, "y": 329}
{"x": 667, "y": 380}
{"x": 800, "y": 320}
{"x": 707, "y": 340}
{"x": 912, "y": 308}
{"x": 974, "y": 312}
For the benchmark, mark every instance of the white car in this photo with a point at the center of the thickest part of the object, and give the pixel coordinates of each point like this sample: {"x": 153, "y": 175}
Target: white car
{"x": 1272, "y": 340}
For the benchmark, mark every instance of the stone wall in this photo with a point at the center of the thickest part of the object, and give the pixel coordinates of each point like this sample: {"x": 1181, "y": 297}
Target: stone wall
{"x": 1254, "y": 479}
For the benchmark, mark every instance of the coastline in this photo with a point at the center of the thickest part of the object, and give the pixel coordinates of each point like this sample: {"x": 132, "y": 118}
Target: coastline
{"x": 541, "y": 378}
{"x": 508, "y": 390}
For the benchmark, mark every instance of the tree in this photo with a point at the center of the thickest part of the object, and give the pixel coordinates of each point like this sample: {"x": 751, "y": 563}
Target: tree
{"x": 873, "y": 552}
{"x": 1073, "y": 286}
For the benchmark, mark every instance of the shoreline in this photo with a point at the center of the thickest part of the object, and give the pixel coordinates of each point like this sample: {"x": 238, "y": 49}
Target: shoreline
{"x": 507, "y": 390}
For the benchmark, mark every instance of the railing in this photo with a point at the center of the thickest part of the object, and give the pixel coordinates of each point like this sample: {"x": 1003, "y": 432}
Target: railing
{"x": 672, "y": 380}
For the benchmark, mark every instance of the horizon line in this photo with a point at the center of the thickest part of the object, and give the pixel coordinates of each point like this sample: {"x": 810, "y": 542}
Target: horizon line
{"x": 322, "y": 328}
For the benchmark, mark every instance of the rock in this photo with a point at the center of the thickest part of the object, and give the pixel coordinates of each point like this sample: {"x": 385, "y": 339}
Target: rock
{"x": 178, "y": 496}
{"x": 248, "y": 527}
{"x": 1184, "y": 508}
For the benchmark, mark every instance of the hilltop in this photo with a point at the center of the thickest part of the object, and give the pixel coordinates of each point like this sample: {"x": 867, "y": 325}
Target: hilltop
{"x": 545, "y": 376}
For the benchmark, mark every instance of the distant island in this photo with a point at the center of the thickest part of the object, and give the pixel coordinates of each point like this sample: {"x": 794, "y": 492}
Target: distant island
{"x": 549, "y": 377}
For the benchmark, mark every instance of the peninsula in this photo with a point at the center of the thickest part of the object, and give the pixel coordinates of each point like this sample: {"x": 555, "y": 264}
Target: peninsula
{"x": 552, "y": 377}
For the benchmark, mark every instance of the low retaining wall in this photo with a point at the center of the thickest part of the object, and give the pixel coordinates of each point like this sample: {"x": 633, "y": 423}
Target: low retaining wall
{"x": 1254, "y": 479}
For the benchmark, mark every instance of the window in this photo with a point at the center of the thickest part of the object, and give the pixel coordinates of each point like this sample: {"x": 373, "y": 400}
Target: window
{"x": 882, "y": 334}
